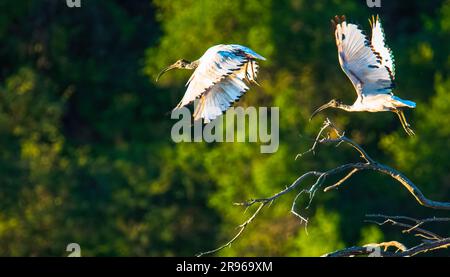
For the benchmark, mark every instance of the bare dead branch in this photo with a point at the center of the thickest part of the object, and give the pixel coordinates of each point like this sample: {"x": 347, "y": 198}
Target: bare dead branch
{"x": 241, "y": 230}
{"x": 373, "y": 165}
{"x": 417, "y": 221}
{"x": 368, "y": 163}
{"x": 408, "y": 227}
{"x": 426, "y": 247}
{"x": 263, "y": 202}
{"x": 372, "y": 250}
{"x": 356, "y": 251}
{"x": 395, "y": 244}
{"x": 433, "y": 241}
{"x": 286, "y": 190}
{"x": 326, "y": 124}
{"x": 341, "y": 181}
{"x": 419, "y": 232}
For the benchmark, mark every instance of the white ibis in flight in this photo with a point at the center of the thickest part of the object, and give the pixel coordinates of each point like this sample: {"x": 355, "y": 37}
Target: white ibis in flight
{"x": 369, "y": 64}
{"x": 221, "y": 77}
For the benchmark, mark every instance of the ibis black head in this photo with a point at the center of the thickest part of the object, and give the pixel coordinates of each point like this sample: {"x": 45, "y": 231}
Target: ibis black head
{"x": 334, "y": 103}
{"x": 178, "y": 64}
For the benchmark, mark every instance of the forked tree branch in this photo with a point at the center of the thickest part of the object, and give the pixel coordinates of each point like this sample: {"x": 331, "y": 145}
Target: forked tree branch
{"x": 407, "y": 226}
{"x": 427, "y": 246}
{"x": 367, "y": 163}
{"x": 431, "y": 241}
{"x": 373, "y": 249}
{"x": 371, "y": 164}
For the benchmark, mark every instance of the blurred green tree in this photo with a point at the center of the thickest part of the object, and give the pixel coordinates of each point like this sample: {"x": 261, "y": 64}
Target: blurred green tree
{"x": 85, "y": 133}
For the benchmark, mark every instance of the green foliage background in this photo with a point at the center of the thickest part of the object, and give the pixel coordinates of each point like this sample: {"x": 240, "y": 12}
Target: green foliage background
{"x": 86, "y": 154}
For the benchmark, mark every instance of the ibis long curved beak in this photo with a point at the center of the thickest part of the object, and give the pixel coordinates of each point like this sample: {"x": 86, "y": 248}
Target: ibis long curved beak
{"x": 321, "y": 108}
{"x": 165, "y": 70}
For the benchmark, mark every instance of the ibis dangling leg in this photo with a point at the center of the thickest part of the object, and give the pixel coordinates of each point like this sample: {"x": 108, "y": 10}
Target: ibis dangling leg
{"x": 253, "y": 74}
{"x": 408, "y": 127}
{"x": 246, "y": 73}
{"x": 404, "y": 123}
{"x": 199, "y": 108}
{"x": 411, "y": 132}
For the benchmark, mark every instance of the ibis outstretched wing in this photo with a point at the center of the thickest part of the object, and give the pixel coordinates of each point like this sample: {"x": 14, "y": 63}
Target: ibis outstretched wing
{"x": 380, "y": 46}
{"x": 221, "y": 96}
{"x": 359, "y": 61}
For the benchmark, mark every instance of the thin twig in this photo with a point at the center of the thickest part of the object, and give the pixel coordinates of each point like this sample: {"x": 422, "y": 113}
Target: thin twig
{"x": 241, "y": 230}
{"x": 338, "y": 183}
{"x": 409, "y": 228}
{"x": 415, "y": 220}
{"x": 286, "y": 190}
{"x": 420, "y": 232}
{"x": 325, "y": 125}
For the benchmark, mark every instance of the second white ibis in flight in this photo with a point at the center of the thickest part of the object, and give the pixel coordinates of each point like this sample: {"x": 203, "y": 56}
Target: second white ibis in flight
{"x": 369, "y": 64}
{"x": 219, "y": 79}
